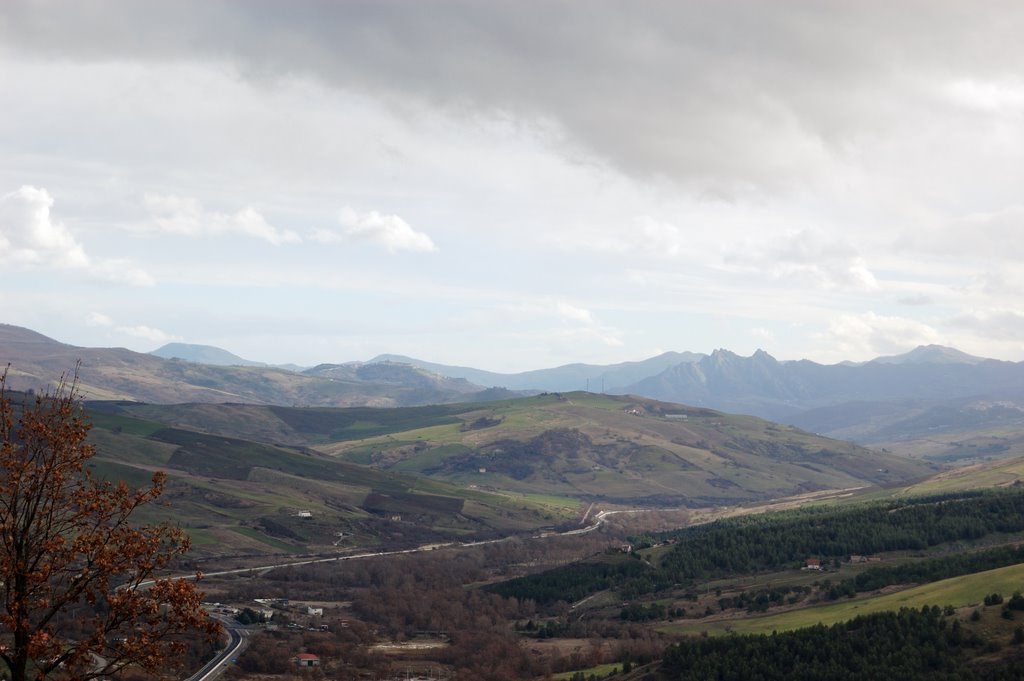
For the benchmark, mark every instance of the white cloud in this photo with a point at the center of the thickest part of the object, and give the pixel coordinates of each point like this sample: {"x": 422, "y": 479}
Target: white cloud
{"x": 917, "y": 299}
{"x": 990, "y": 234}
{"x": 142, "y": 331}
{"x": 863, "y": 336}
{"x": 997, "y": 324}
{"x": 99, "y": 319}
{"x": 658, "y": 237}
{"x": 578, "y": 323}
{"x": 122, "y": 271}
{"x": 806, "y": 257}
{"x": 186, "y": 216}
{"x": 147, "y": 333}
{"x": 1006, "y": 96}
{"x": 30, "y": 237}
{"x": 574, "y": 314}
{"x": 389, "y": 231}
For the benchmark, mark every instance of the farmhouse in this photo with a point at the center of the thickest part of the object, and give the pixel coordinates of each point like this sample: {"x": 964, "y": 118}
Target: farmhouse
{"x": 306, "y": 660}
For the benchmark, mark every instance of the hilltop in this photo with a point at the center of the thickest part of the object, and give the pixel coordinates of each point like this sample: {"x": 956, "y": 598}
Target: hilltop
{"x": 119, "y": 374}
{"x": 623, "y": 450}
{"x": 933, "y": 401}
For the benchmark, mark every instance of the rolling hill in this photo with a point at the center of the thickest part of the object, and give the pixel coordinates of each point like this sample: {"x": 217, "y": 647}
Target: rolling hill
{"x": 237, "y": 496}
{"x": 621, "y": 450}
{"x": 119, "y": 374}
{"x": 766, "y": 387}
{"x": 594, "y": 377}
{"x": 203, "y": 354}
{"x": 933, "y": 402}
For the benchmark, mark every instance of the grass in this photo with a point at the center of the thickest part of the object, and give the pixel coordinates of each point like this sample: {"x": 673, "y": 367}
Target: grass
{"x": 200, "y": 537}
{"x": 108, "y": 470}
{"x": 431, "y": 458}
{"x": 270, "y": 541}
{"x": 965, "y": 591}
{"x": 123, "y": 424}
{"x": 598, "y": 671}
{"x": 973, "y": 477}
{"x": 551, "y": 500}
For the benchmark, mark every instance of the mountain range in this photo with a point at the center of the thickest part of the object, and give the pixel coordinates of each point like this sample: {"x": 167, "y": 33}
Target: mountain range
{"x": 928, "y": 390}
{"x": 36, "y": 361}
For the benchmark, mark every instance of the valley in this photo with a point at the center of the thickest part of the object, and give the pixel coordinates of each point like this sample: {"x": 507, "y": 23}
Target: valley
{"x": 433, "y": 500}
{"x": 572, "y": 534}
{"x": 373, "y": 340}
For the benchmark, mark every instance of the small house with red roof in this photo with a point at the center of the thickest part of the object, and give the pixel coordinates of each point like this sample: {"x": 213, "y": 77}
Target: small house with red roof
{"x": 307, "y": 660}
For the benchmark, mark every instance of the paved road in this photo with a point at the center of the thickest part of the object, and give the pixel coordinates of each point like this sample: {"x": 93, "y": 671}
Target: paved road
{"x": 239, "y": 635}
{"x": 237, "y": 643}
{"x": 597, "y": 521}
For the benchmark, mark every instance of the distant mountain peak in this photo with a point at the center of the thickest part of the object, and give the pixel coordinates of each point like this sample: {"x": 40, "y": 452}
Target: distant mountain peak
{"x": 202, "y": 354}
{"x": 931, "y": 354}
{"x": 10, "y": 333}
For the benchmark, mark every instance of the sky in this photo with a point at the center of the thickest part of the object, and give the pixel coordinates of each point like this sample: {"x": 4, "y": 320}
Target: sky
{"x": 514, "y": 185}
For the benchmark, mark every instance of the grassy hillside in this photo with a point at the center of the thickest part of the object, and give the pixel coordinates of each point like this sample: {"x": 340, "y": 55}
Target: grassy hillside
{"x": 238, "y": 497}
{"x": 119, "y": 374}
{"x": 623, "y": 450}
{"x": 967, "y": 592}
{"x": 241, "y": 474}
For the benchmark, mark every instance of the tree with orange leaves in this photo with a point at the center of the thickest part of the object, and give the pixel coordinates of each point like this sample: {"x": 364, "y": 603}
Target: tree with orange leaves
{"x": 79, "y": 596}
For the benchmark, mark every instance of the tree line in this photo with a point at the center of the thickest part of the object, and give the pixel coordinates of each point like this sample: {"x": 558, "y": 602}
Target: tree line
{"x": 908, "y": 645}
{"x": 752, "y": 544}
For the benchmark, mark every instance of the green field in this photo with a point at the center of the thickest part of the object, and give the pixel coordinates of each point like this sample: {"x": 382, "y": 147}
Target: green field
{"x": 960, "y": 592}
{"x": 599, "y": 671}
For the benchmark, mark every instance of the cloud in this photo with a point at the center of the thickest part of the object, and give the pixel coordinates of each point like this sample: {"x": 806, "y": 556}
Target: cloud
{"x": 122, "y": 271}
{"x": 557, "y": 319}
{"x": 146, "y": 333}
{"x": 642, "y": 235}
{"x": 868, "y": 335}
{"x": 389, "y": 231}
{"x": 997, "y": 96}
{"x": 186, "y": 216}
{"x": 999, "y": 324}
{"x": 142, "y": 331}
{"x": 656, "y": 237}
{"x": 99, "y": 319}
{"x": 807, "y": 257}
{"x": 578, "y": 323}
{"x": 30, "y": 237}
{"x": 990, "y": 234}
{"x": 571, "y": 313}
{"x": 721, "y": 96}
{"x": 918, "y": 299}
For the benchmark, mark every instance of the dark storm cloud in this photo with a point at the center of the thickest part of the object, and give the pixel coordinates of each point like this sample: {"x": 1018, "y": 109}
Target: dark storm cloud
{"x": 721, "y": 96}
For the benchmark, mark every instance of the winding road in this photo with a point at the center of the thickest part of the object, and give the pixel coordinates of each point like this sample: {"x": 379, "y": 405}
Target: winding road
{"x": 238, "y": 639}
{"x": 239, "y": 634}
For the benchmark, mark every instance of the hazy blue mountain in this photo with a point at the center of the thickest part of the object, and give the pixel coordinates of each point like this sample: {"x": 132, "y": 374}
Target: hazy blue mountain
{"x": 203, "y": 354}
{"x": 995, "y": 417}
{"x": 594, "y": 377}
{"x": 120, "y": 374}
{"x": 765, "y": 387}
{"x": 931, "y": 354}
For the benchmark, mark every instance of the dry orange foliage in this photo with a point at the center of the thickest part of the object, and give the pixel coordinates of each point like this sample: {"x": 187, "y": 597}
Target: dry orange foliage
{"x": 79, "y": 592}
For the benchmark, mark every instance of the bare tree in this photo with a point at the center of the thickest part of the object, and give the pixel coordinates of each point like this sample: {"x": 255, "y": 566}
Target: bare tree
{"x": 78, "y": 593}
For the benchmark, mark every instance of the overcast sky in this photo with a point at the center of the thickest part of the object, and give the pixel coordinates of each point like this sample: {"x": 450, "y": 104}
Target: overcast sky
{"x": 514, "y": 185}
